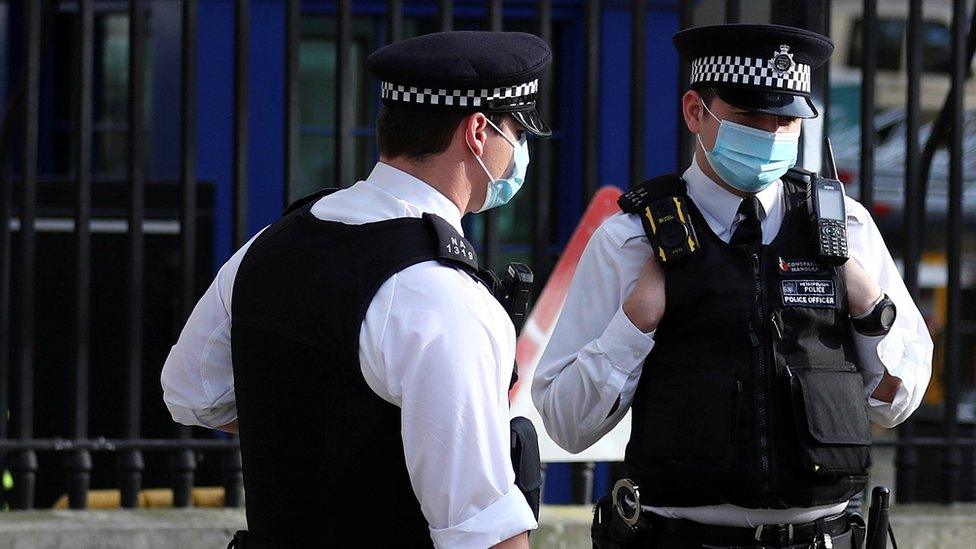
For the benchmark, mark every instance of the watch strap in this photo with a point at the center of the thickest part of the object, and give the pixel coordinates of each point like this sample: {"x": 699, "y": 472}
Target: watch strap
{"x": 870, "y": 310}
{"x": 876, "y": 322}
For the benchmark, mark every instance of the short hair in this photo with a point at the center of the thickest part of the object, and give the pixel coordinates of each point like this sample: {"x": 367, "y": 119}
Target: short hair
{"x": 415, "y": 133}
{"x": 707, "y": 95}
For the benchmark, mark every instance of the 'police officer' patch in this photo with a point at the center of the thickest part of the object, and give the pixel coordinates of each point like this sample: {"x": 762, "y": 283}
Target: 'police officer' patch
{"x": 809, "y": 293}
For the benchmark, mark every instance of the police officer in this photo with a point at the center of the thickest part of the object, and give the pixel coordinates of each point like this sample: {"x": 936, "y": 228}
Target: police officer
{"x": 753, "y": 362}
{"x": 364, "y": 365}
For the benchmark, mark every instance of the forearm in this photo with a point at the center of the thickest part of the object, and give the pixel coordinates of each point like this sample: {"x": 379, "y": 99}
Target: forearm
{"x": 520, "y": 541}
{"x": 896, "y": 367}
{"x": 576, "y": 392}
{"x": 229, "y": 428}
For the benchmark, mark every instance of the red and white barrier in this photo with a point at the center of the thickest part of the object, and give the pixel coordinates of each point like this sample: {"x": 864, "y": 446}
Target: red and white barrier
{"x": 538, "y": 328}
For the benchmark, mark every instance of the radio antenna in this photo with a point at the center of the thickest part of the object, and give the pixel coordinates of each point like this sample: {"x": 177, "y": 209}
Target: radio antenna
{"x": 830, "y": 159}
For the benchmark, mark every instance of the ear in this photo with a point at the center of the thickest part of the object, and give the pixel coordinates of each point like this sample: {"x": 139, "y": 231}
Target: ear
{"x": 691, "y": 108}
{"x": 475, "y": 132}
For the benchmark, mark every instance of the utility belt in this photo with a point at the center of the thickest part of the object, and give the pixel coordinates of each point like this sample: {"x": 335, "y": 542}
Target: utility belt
{"x": 618, "y": 523}
{"x": 843, "y": 531}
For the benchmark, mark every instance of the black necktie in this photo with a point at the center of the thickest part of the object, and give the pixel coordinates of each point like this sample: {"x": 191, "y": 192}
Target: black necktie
{"x": 749, "y": 231}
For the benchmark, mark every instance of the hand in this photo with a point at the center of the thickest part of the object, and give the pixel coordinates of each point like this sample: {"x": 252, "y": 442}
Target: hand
{"x": 862, "y": 290}
{"x": 645, "y": 304}
{"x": 887, "y": 388}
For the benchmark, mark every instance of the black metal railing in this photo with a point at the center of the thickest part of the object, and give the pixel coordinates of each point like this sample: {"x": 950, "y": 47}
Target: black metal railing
{"x": 183, "y": 463}
{"x": 78, "y": 463}
{"x": 19, "y": 144}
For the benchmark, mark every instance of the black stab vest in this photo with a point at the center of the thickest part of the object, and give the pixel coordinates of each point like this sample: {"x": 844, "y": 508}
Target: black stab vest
{"x": 752, "y": 394}
{"x": 322, "y": 453}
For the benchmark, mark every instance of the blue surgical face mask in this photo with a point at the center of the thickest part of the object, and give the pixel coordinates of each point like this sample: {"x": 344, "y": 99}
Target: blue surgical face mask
{"x": 750, "y": 159}
{"x": 500, "y": 191}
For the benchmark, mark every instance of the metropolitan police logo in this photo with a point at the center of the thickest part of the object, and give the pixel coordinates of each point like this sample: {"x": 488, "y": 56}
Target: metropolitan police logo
{"x": 782, "y": 60}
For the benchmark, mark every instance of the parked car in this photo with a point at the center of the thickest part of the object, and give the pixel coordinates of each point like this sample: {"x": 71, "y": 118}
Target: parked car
{"x": 889, "y": 165}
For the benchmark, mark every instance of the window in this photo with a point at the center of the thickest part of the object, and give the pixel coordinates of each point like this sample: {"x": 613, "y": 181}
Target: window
{"x": 317, "y": 70}
{"x": 890, "y": 37}
{"x": 110, "y": 88}
{"x": 111, "y": 84}
{"x": 936, "y": 45}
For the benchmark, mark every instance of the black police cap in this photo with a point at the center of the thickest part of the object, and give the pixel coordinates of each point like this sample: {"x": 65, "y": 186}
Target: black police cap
{"x": 760, "y": 68}
{"x": 466, "y": 71}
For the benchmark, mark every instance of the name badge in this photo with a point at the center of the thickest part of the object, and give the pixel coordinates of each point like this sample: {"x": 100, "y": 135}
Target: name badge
{"x": 801, "y": 267}
{"x": 809, "y": 293}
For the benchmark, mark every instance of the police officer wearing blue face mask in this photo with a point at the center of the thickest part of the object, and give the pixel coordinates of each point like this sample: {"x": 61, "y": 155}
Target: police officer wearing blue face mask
{"x": 499, "y": 191}
{"x": 354, "y": 343}
{"x": 752, "y": 361}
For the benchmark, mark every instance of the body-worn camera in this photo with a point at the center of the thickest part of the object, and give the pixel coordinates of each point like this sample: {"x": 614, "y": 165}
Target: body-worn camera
{"x": 661, "y": 204}
{"x": 672, "y": 234}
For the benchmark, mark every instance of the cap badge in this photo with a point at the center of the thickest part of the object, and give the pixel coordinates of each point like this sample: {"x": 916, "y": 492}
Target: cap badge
{"x": 782, "y": 60}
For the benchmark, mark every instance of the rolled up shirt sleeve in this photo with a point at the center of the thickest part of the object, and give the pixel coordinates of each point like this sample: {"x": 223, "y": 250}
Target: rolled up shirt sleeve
{"x": 906, "y": 351}
{"x": 198, "y": 375}
{"x": 588, "y": 373}
{"x": 447, "y": 353}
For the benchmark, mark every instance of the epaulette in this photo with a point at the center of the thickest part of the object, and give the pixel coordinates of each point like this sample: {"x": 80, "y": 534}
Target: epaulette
{"x": 455, "y": 250}
{"x": 451, "y": 246}
{"x": 800, "y": 172}
{"x": 303, "y": 201}
{"x": 645, "y": 192}
{"x": 796, "y": 185}
{"x": 800, "y": 175}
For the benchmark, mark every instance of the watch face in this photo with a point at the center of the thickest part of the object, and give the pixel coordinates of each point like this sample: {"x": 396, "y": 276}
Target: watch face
{"x": 887, "y": 316}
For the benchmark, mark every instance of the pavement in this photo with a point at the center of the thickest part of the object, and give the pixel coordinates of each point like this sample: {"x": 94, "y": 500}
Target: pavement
{"x": 562, "y": 527}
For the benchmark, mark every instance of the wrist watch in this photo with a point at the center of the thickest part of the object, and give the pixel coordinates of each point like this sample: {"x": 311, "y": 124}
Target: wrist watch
{"x": 877, "y": 321}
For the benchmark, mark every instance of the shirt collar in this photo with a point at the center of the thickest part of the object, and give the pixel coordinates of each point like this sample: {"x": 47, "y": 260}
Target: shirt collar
{"x": 719, "y": 203}
{"x": 415, "y": 192}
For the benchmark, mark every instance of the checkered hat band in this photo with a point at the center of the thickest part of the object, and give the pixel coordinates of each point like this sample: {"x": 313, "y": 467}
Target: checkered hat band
{"x": 733, "y": 69}
{"x": 521, "y": 94}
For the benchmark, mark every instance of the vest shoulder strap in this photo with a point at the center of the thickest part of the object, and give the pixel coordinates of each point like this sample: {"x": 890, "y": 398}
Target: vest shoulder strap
{"x": 640, "y": 195}
{"x": 306, "y": 200}
{"x": 452, "y": 248}
{"x": 796, "y": 188}
{"x": 455, "y": 250}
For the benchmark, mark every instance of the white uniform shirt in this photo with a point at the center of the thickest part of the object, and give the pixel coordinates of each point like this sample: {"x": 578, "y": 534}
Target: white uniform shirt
{"x": 434, "y": 343}
{"x": 596, "y": 353}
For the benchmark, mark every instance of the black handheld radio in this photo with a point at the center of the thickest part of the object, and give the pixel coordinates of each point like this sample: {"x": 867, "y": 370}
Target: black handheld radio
{"x": 830, "y": 214}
